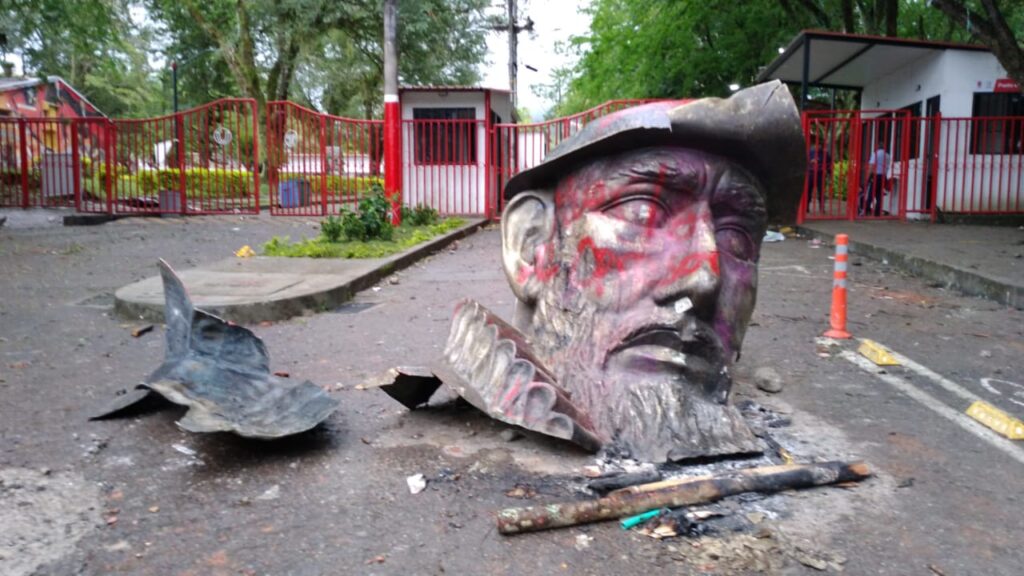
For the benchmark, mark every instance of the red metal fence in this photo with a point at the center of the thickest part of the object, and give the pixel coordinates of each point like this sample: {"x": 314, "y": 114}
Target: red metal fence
{"x": 863, "y": 164}
{"x": 890, "y": 165}
{"x": 54, "y": 162}
{"x": 200, "y": 161}
{"x": 318, "y": 163}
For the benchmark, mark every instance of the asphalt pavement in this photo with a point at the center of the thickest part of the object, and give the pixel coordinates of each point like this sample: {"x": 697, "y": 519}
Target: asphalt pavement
{"x": 140, "y": 496}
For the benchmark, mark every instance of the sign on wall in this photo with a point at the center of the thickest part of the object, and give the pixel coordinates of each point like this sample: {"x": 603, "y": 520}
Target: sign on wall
{"x": 1006, "y": 85}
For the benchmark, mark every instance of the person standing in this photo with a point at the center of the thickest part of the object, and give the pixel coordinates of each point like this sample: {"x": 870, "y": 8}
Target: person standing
{"x": 878, "y": 167}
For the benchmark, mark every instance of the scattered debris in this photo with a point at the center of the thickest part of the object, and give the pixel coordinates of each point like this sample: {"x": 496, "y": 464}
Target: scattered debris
{"x": 379, "y": 559}
{"x": 522, "y": 491}
{"x": 511, "y": 434}
{"x": 245, "y": 251}
{"x": 184, "y": 450}
{"x": 154, "y": 509}
{"x": 141, "y": 330}
{"x": 632, "y": 521}
{"x": 221, "y": 371}
{"x": 412, "y": 386}
{"x": 583, "y": 542}
{"x": 986, "y": 354}
{"x": 678, "y": 492}
{"x": 767, "y": 379}
{"x": 417, "y": 483}
{"x": 272, "y": 493}
{"x": 935, "y": 569}
{"x": 678, "y": 523}
{"x": 282, "y": 374}
{"x": 772, "y": 236}
{"x": 615, "y": 481}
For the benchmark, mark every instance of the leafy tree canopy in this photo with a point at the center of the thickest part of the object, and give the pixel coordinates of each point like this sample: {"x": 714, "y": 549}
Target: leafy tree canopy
{"x": 690, "y": 48}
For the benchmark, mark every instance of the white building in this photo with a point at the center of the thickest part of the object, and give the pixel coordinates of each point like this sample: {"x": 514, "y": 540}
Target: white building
{"x": 948, "y": 113}
{"x": 446, "y": 151}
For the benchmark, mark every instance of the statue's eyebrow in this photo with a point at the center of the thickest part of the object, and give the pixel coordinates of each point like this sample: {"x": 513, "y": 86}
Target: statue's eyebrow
{"x": 667, "y": 175}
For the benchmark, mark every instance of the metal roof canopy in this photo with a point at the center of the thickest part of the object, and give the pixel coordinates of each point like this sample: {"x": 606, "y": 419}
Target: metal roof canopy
{"x": 816, "y": 58}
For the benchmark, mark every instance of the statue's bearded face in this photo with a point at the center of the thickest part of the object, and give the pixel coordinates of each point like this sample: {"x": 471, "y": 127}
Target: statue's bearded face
{"x": 637, "y": 277}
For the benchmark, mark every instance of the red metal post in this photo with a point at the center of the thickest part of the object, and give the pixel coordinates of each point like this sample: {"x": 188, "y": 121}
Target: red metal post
{"x": 255, "y": 153}
{"x": 323, "y": 165}
{"x": 905, "y": 167}
{"x": 392, "y": 114}
{"x": 179, "y": 128}
{"x": 934, "y": 164}
{"x": 801, "y": 212}
{"x": 489, "y": 176}
{"x": 23, "y": 143}
{"x": 76, "y": 170}
{"x": 111, "y": 161}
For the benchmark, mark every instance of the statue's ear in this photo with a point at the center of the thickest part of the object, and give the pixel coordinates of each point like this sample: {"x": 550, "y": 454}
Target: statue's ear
{"x": 526, "y": 227}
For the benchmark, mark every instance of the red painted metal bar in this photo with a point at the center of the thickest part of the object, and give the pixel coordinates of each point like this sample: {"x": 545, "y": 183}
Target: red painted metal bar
{"x": 23, "y": 139}
{"x": 76, "y": 167}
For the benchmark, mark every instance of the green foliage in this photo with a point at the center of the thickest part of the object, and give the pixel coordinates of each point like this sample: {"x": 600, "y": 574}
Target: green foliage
{"x": 421, "y": 215}
{"x": 371, "y": 221}
{"x": 343, "y": 185}
{"x": 659, "y": 49}
{"x": 331, "y": 229}
{"x": 199, "y": 182}
{"x": 404, "y": 237}
{"x": 93, "y": 44}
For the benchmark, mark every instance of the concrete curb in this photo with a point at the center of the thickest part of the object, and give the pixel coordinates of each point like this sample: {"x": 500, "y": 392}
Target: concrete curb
{"x": 967, "y": 282}
{"x": 285, "y": 308}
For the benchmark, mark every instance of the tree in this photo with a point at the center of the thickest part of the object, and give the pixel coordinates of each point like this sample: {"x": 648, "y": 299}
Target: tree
{"x": 991, "y": 27}
{"x": 93, "y": 44}
{"x": 657, "y": 49}
{"x": 325, "y": 51}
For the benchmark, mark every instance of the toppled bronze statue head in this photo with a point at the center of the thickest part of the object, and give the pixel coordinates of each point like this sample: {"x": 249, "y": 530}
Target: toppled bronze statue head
{"x": 632, "y": 251}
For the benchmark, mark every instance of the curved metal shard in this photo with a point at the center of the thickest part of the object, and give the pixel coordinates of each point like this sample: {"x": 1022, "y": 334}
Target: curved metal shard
{"x": 221, "y": 371}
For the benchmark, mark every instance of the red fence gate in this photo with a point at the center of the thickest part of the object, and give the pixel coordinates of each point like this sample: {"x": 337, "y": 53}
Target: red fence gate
{"x": 890, "y": 165}
{"x": 200, "y": 161}
{"x": 55, "y": 162}
{"x": 318, "y": 163}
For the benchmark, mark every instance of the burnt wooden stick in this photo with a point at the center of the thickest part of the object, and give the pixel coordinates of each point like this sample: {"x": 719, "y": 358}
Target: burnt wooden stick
{"x": 686, "y": 493}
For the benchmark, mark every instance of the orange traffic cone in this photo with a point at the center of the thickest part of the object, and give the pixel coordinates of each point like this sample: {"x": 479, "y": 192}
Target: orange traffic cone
{"x": 838, "y": 315}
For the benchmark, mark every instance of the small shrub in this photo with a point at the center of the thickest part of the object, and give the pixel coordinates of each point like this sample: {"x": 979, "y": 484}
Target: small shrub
{"x": 353, "y": 226}
{"x": 421, "y": 215}
{"x": 332, "y": 228}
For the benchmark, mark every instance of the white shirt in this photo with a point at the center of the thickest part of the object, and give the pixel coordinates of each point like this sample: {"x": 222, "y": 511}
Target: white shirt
{"x": 880, "y": 160}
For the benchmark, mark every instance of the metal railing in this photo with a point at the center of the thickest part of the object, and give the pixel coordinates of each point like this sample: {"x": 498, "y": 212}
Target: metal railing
{"x": 318, "y": 163}
{"x": 888, "y": 164}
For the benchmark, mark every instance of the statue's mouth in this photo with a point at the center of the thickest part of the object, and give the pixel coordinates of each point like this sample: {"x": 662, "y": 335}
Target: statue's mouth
{"x": 693, "y": 353}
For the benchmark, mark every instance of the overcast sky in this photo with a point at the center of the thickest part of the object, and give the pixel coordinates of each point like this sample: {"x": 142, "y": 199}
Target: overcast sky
{"x": 553, "y": 21}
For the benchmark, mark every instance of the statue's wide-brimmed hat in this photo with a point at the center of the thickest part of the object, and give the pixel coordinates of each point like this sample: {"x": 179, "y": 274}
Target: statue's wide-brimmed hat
{"x": 758, "y": 127}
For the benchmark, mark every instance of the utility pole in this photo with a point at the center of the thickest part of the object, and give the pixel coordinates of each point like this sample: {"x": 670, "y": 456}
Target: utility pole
{"x": 512, "y": 27}
{"x": 513, "y": 45}
{"x": 392, "y": 114}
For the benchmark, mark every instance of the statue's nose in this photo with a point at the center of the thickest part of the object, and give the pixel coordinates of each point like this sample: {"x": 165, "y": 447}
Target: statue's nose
{"x": 692, "y": 270}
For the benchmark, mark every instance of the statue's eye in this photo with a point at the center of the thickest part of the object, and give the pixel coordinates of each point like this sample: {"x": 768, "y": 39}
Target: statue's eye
{"x": 644, "y": 211}
{"x": 737, "y": 242}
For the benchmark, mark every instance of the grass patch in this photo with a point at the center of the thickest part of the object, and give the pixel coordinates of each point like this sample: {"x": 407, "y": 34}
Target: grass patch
{"x": 404, "y": 237}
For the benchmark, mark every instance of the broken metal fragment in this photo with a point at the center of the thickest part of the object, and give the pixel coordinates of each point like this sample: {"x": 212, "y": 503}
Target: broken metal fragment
{"x": 681, "y": 492}
{"x": 222, "y": 373}
{"x": 411, "y": 385}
